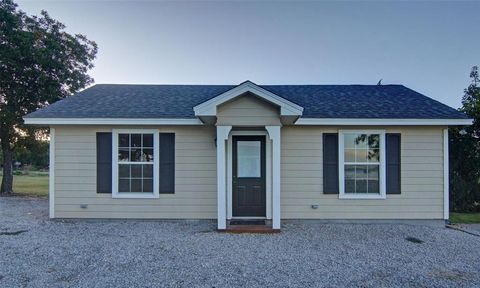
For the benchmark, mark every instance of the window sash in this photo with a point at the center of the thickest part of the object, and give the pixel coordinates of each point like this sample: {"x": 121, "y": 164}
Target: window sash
{"x": 378, "y": 163}
{"x": 142, "y": 178}
{"x": 370, "y": 181}
{"x": 116, "y": 163}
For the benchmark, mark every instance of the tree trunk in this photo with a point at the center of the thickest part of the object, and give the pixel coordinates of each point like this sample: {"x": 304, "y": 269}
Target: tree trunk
{"x": 7, "y": 179}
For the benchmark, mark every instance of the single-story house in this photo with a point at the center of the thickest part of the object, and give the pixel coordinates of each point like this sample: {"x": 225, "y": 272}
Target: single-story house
{"x": 248, "y": 152}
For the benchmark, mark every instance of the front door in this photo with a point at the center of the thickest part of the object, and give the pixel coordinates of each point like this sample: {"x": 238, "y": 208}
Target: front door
{"x": 248, "y": 193}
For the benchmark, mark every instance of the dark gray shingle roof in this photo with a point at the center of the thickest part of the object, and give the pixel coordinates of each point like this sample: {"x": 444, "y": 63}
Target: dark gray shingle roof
{"x": 319, "y": 101}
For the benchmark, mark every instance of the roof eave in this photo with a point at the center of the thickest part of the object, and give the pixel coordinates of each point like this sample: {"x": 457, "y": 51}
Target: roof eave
{"x": 300, "y": 121}
{"x": 112, "y": 121}
{"x": 383, "y": 122}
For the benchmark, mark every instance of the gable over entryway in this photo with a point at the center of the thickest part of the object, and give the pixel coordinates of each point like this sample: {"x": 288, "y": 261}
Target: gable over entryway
{"x": 209, "y": 110}
{"x": 248, "y": 110}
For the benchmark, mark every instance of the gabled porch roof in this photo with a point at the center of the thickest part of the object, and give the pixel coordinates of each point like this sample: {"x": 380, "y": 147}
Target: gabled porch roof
{"x": 209, "y": 107}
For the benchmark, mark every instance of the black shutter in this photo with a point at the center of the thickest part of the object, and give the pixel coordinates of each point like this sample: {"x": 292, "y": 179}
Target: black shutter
{"x": 393, "y": 163}
{"x": 330, "y": 163}
{"x": 104, "y": 162}
{"x": 167, "y": 163}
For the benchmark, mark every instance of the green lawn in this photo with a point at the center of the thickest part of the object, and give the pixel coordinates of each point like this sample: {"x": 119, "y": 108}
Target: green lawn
{"x": 467, "y": 218}
{"x": 34, "y": 184}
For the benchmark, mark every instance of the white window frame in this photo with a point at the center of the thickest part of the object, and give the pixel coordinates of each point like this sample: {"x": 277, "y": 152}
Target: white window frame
{"x": 341, "y": 166}
{"x": 156, "y": 165}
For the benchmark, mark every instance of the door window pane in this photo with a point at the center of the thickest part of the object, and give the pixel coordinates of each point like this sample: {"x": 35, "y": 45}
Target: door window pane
{"x": 248, "y": 159}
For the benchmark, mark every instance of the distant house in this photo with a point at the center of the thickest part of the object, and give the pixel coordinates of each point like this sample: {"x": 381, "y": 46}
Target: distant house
{"x": 249, "y": 152}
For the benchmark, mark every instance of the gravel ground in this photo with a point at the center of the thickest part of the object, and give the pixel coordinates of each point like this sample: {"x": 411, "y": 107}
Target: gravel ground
{"x": 473, "y": 227}
{"x": 134, "y": 253}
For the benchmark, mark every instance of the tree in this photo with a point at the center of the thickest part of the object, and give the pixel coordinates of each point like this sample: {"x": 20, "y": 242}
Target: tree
{"x": 465, "y": 153}
{"x": 33, "y": 150}
{"x": 40, "y": 63}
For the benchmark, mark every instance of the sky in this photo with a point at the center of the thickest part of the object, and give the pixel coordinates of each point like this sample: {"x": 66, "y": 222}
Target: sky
{"x": 427, "y": 46}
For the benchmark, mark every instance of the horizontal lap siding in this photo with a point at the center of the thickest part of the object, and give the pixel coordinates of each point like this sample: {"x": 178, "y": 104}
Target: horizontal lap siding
{"x": 421, "y": 178}
{"x": 301, "y": 174}
{"x": 195, "y": 178}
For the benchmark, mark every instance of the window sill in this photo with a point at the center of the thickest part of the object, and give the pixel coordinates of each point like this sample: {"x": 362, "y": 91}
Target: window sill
{"x": 363, "y": 196}
{"x": 135, "y": 196}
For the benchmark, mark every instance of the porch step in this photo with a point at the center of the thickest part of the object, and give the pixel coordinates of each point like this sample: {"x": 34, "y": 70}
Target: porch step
{"x": 250, "y": 229}
{"x": 250, "y": 226}
{"x": 247, "y": 222}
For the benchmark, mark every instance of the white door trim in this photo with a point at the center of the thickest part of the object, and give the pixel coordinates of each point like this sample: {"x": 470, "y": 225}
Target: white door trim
{"x": 268, "y": 173}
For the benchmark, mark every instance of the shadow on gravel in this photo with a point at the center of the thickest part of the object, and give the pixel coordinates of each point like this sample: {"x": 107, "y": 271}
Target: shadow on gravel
{"x": 452, "y": 275}
{"x": 414, "y": 240}
{"x": 13, "y": 233}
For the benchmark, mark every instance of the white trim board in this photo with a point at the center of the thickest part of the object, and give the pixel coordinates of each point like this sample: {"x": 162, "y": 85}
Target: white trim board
{"x": 112, "y": 121}
{"x": 446, "y": 180}
{"x": 209, "y": 107}
{"x": 382, "y": 122}
{"x": 51, "y": 176}
{"x": 195, "y": 121}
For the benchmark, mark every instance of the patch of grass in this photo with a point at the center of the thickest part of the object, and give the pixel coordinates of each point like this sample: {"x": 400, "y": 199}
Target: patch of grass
{"x": 466, "y": 218}
{"x": 34, "y": 184}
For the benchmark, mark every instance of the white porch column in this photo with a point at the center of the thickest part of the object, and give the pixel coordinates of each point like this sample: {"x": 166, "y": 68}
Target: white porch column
{"x": 222, "y": 136}
{"x": 274, "y": 134}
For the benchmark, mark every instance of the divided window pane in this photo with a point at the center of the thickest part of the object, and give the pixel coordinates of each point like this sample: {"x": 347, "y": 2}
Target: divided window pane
{"x": 361, "y": 163}
{"x": 362, "y": 178}
{"x": 135, "y": 167}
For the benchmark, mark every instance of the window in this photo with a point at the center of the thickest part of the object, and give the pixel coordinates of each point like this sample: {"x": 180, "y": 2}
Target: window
{"x": 361, "y": 169}
{"x": 135, "y": 164}
{"x": 248, "y": 159}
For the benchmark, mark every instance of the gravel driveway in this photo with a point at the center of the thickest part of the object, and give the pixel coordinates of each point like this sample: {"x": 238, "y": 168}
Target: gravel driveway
{"x": 37, "y": 252}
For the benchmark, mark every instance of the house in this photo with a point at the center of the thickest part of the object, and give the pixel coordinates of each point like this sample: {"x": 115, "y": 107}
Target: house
{"x": 249, "y": 151}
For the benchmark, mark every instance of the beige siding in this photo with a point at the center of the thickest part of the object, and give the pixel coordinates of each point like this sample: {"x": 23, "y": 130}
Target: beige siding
{"x": 421, "y": 176}
{"x": 248, "y": 110}
{"x": 301, "y": 172}
{"x": 195, "y": 177}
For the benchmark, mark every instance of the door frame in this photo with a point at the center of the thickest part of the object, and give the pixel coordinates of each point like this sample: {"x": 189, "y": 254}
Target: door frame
{"x": 268, "y": 172}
